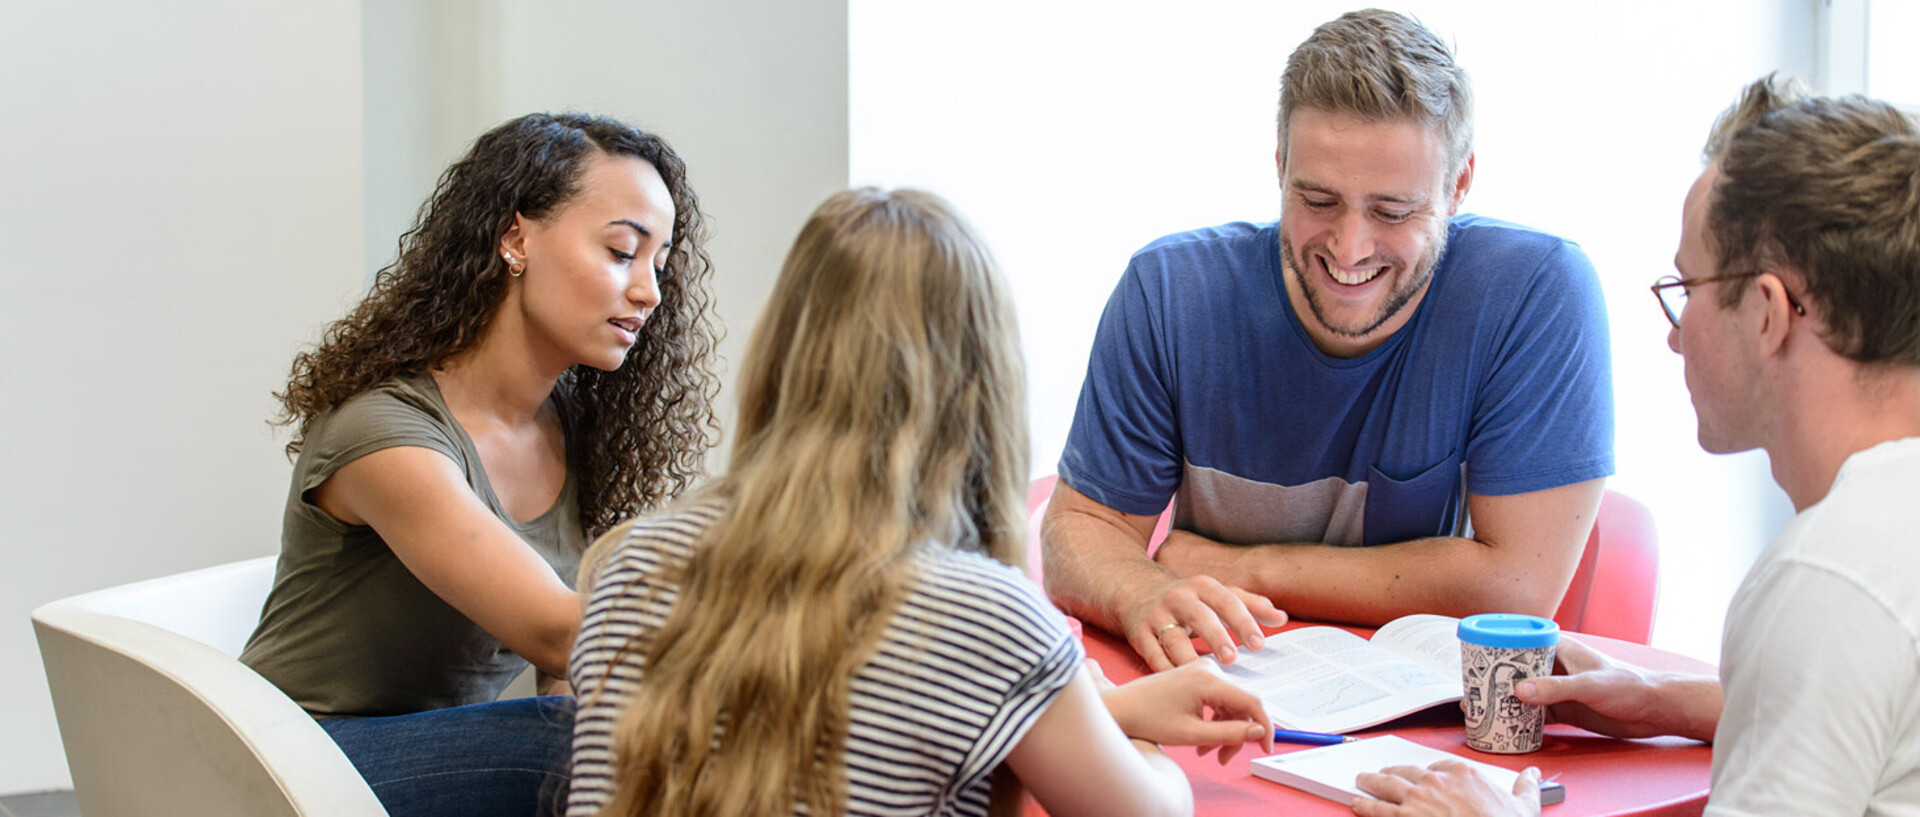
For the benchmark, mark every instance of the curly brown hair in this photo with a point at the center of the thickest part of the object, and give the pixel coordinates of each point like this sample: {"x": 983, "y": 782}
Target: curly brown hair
{"x": 637, "y": 435}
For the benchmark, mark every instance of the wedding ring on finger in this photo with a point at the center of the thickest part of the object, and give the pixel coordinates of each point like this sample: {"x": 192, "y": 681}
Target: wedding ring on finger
{"x": 1162, "y": 629}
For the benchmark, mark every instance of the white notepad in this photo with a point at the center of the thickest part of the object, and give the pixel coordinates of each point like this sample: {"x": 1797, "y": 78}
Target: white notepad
{"x": 1329, "y": 771}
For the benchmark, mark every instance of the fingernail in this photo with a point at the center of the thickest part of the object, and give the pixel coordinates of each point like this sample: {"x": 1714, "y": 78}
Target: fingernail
{"x": 1257, "y": 642}
{"x": 1254, "y": 730}
{"x": 1524, "y": 688}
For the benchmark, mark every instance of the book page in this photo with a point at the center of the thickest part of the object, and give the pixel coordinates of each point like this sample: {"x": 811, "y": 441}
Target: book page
{"x": 1325, "y": 679}
{"x": 1429, "y": 639}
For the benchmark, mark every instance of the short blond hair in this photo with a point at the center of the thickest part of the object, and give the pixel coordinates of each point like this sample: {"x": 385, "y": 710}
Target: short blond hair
{"x": 1380, "y": 65}
{"x": 1829, "y": 187}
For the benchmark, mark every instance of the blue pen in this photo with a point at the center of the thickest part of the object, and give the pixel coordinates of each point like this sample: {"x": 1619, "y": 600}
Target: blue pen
{"x": 1310, "y": 738}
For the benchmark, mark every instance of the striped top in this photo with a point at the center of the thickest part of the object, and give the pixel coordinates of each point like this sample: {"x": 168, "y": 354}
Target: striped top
{"x": 972, "y": 657}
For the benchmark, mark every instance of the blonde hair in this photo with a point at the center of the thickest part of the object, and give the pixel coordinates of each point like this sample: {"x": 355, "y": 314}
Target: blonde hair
{"x": 882, "y": 408}
{"x": 1830, "y": 187}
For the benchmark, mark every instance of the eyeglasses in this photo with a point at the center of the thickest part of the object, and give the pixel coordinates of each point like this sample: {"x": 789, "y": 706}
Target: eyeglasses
{"x": 1671, "y": 290}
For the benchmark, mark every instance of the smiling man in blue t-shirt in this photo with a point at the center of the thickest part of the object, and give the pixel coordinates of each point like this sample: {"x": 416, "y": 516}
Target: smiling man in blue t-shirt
{"x": 1373, "y": 407}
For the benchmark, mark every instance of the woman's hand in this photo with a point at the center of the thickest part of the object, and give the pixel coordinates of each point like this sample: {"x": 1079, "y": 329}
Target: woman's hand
{"x": 545, "y": 684}
{"x": 1449, "y": 788}
{"x": 1190, "y": 705}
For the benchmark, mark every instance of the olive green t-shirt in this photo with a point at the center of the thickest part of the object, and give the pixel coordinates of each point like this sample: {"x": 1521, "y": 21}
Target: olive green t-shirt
{"x": 347, "y": 629}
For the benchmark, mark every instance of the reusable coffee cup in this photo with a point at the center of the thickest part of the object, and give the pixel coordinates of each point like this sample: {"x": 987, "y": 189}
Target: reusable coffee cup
{"x": 1497, "y": 651}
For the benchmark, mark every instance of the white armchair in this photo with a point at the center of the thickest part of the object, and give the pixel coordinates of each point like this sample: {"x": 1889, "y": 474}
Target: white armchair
{"x": 159, "y": 718}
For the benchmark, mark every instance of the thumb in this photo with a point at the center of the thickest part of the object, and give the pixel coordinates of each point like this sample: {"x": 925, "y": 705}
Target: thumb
{"x": 1549, "y": 690}
{"x": 1527, "y": 787}
{"x": 1093, "y": 668}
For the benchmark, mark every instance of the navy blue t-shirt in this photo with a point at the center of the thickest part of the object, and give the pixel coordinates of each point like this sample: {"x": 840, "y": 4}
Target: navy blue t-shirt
{"x": 1203, "y": 381}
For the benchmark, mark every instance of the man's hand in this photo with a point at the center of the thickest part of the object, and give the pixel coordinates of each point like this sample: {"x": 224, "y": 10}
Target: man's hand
{"x": 1162, "y": 624}
{"x": 1187, "y": 553}
{"x": 1097, "y": 569}
{"x": 1602, "y": 695}
{"x": 1449, "y": 788}
{"x": 1189, "y": 706}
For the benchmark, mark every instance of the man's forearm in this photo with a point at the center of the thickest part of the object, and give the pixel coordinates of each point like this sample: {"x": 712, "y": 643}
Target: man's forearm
{"x": 1694, "y": 703}
{"x": 1525, "y": 551}
{"x": 1093, "y": 568}
{"x": 1097, "y": 568}
{"x": 1374, "y": 585}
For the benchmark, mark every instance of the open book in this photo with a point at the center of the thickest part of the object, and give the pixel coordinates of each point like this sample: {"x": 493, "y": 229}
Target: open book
{"x": 1325, "y": 679}
{"x": 1330, "y": 771}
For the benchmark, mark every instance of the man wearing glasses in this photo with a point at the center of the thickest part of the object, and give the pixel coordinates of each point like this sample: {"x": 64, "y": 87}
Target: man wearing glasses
{"x": 1376, "y": 406}
{"x": 1797, "y": 310}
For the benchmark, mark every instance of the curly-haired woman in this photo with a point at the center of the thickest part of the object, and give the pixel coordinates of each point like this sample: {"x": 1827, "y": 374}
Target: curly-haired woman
{"x": 835, "y": 626}
{"x": 533, "y": 368}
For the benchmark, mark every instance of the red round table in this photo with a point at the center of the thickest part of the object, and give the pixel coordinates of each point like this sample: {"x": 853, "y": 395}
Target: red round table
{"x": 1603, "y": 776}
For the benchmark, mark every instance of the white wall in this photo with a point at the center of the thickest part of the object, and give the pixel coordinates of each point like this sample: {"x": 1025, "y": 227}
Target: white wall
{"x": 184, "y": 206}
{"x": 427, "y": 74}
{"x": 179, "y": 206}
{"x": 751, "y": 93}
{"x": 1085, "y": 130}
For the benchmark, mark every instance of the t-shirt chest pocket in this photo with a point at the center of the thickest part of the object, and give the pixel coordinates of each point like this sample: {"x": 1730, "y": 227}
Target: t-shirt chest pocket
{"x": 1427, "y": 503}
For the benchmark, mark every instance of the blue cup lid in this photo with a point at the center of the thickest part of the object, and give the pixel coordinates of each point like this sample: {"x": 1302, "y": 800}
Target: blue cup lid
{"x": 1511, "y": 631}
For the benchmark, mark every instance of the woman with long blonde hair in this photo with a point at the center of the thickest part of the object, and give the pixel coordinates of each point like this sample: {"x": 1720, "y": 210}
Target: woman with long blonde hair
{"x": 838, "y": 625}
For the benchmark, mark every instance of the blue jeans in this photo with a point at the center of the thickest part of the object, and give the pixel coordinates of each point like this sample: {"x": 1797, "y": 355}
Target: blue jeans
{"x": 499, "y": 758}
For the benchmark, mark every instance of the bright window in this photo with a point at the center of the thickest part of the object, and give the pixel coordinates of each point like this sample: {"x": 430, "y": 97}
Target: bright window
{"x": 1893, "y": 63}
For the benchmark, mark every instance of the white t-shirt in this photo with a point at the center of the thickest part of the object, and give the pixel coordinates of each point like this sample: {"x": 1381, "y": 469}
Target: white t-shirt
{"x": 1821, "y": 655}
{"x": 973, "y": 656}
